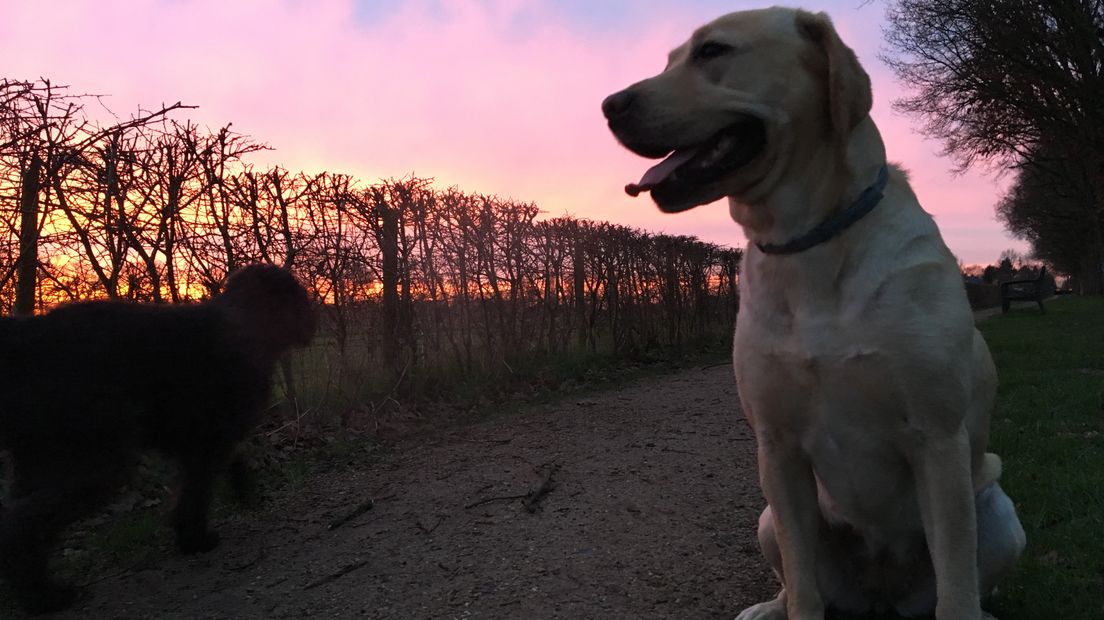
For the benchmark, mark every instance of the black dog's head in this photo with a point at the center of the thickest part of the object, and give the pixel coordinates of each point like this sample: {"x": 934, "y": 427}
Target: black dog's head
{"x": 273, "y": 303}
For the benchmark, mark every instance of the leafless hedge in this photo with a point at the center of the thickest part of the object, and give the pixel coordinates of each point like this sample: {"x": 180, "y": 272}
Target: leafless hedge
{"x": 414, "y": 278}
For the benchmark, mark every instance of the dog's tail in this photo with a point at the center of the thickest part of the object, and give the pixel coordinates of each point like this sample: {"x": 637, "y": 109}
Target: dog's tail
{"x": 989, "y": 472}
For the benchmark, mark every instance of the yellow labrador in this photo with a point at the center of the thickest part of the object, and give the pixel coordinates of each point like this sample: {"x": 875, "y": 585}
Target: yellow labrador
{"x": 858, "y": 363}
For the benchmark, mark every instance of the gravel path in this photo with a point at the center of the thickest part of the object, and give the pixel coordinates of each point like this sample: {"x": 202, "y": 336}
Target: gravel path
{"x": 651, "y": 514}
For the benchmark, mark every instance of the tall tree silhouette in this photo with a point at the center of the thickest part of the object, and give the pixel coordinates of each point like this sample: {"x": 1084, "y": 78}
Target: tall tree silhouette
{"x": 1016, "y": 84}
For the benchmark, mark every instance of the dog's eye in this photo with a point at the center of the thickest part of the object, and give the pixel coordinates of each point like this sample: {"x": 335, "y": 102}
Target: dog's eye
{"x": 711, "y": 49}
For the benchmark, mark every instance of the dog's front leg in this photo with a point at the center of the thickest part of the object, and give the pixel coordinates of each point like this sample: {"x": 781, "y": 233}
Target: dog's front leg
{"x": 947, "y": 507}
{"x": 192, "y": 532}
{"x": 788, "y": 483}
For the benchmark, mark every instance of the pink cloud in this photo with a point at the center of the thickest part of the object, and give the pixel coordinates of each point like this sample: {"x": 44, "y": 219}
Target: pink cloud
{"x": 455, "y": 94}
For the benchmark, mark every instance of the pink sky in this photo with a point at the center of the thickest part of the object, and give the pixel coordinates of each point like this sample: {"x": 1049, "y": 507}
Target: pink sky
{"x": 496, "y": 96}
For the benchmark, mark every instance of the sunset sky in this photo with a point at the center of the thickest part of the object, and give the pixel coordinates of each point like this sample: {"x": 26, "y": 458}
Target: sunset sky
{"x": 495, "y": 96}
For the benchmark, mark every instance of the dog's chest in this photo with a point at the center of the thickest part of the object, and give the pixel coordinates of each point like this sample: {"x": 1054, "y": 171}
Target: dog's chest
{"x": 863, "y": 477}
{"x": 850, "y": 421}
{"x": 826, "y": 375}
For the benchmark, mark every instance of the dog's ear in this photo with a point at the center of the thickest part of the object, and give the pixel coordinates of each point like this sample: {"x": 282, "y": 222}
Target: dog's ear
{"x": 849, "y": 96}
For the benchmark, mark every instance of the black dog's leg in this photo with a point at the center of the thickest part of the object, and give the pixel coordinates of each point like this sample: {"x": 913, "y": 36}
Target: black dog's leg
{"x": 27, "y": 531}
{"x": 48, "y": 495}
{"x": 192, "y": 533}
{"x": 243, "y": 482}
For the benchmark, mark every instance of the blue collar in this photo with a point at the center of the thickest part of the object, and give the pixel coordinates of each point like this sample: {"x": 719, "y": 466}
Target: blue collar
{"x": 837, "y": 222}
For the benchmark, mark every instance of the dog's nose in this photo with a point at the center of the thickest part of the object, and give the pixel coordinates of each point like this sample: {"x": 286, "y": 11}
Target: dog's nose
{"x": 617, "y": 104}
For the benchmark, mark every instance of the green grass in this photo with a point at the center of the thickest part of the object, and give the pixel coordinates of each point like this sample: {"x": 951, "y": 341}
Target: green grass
{"x": 132, "y": 539}
{"x": 1048, "y": 427}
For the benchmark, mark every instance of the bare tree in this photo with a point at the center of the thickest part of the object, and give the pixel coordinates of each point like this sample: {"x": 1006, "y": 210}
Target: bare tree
{"x": 59, "y": 153}
{"x": 418, "y": 281}
{"x": 1011, "y": 83}
{"x": 216, "y": 240}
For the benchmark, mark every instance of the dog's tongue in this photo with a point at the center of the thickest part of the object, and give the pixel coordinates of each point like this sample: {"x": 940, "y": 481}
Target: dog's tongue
{"x": 657, "y": 173}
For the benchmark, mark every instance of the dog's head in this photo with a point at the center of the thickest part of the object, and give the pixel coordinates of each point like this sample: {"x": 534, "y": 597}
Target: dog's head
{"x": 272, "y": 303}
{"x": 736, "y": 101}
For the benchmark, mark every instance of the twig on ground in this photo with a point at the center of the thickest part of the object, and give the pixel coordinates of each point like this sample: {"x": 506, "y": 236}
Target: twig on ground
{"x": 361, "y": 508}
{"x": 502, "y": 498}
{"x": 677, "y": 451}
{"x": 532, "y": 498}
{"x": 532, "y": 503}
{"x": 524, "y": 460}
{"x": 335, "y": 576}
{"x": 253, "y": 562}
{"x": 429, "y": 530}
{"x": 500, "y": 442}
{"x": 106, "y": 577}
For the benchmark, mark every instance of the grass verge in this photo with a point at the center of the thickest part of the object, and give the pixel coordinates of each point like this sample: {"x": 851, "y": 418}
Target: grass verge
{"x": 1048, "y": 427}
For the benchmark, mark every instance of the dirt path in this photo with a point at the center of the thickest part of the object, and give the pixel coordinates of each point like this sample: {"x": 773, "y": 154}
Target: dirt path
{"x": 652, "y": 516}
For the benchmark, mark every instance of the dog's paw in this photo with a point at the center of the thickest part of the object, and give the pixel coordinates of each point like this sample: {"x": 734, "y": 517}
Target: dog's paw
{"x": 197, "y": 543}
{"x": 770, "y": 610}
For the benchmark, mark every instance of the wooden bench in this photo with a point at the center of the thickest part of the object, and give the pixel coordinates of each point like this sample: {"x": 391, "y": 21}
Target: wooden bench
{"x": 1024, "y": 290}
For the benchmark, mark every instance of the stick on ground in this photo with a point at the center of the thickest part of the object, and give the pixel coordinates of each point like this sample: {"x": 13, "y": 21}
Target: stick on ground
{"x": 532, "y": 502}
{"x": 361, "y": 508}
{"x": 335, "y": 576}
{"x": 532, "y": 498}
{"x": 501, "y": 498}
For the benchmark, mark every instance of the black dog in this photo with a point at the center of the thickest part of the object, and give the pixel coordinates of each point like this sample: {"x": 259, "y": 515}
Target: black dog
{"x": 86, "y": 387}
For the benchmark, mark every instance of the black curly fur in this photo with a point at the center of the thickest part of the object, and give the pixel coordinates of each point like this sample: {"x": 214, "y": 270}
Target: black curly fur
{"x": 85, "y": 388}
